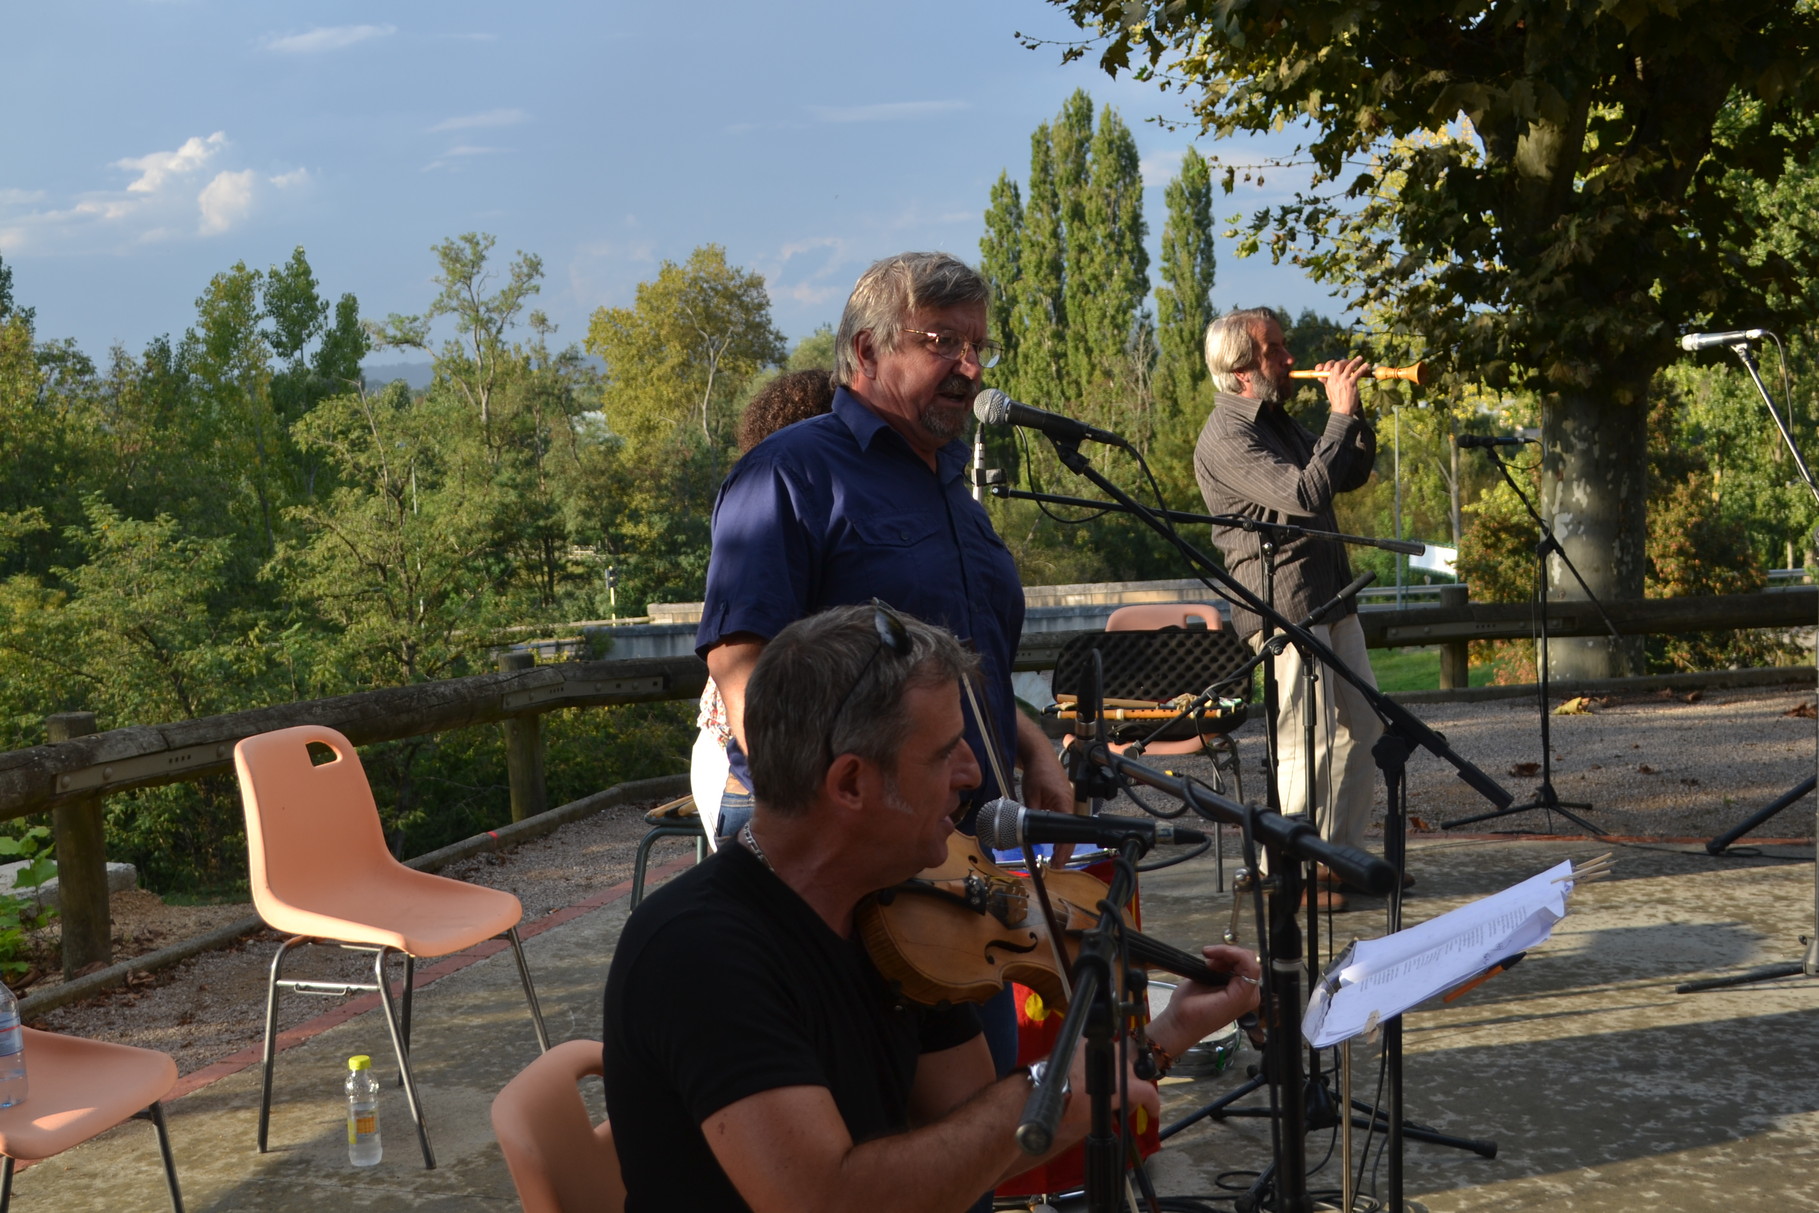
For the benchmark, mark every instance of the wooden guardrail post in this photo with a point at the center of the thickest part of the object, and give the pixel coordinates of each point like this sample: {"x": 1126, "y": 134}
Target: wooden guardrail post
{"x": 523, "y": 749}
{"x": 1455, "y": 655}
{"x": 88, "y": 928}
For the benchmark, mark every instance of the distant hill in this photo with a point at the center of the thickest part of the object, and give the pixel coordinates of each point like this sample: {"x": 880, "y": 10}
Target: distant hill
{"x": 378, "y": 374}
{"x": 418, "y": 374}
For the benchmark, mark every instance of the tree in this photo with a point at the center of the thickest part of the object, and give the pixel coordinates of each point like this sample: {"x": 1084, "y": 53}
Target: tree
{"x": 1184, "y": 307}
{"x": 1539, "y": 191}
{"x": 478, "y": 358}
{"x": 682, "y": 352}
{"x": 679, "y": 363}
{"x": 9, "y": 309}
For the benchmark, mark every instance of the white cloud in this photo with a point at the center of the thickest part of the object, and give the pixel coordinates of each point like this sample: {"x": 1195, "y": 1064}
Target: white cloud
{"x": 1160, "y": 165}
{"x": 462, "y": 151}
{"x": 889, "y": 111}
{"x": 325, "y": 38}
{"x": 484, "y": 120}
{"x": 226, "y": 200}
{"x": 158, "y": 167}
{"x": 168, "y": 195}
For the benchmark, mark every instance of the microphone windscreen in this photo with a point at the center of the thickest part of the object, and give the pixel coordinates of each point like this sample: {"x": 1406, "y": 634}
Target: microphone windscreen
{"x": 992, "y": 406}
{"x": 995, "y": 825}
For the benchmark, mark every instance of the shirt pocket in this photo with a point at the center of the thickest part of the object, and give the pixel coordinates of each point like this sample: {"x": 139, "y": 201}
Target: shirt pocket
{"x": 895, "y": 530}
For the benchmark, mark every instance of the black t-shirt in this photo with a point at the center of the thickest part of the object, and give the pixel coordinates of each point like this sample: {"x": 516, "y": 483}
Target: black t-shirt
{"x": 726, "y": 984}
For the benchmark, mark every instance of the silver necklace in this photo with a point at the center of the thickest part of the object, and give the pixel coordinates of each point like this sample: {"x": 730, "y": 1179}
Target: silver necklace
{"x": 751, "y": 844}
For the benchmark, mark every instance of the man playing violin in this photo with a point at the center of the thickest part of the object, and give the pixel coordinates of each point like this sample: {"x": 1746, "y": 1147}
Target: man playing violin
{"x": 1252, "y": 459}
{"x": 832, "y": 1093}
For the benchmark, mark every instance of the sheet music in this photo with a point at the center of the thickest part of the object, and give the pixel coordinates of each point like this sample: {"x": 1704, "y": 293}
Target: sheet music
{"x": 1374, "y": 979}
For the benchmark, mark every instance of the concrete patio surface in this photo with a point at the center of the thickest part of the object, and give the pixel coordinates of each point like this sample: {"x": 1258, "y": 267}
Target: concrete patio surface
{"x": 1603, "y": 1089}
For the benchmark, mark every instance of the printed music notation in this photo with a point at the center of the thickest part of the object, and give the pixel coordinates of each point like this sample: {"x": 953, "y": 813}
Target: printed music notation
{"x": 1374, "y": 979}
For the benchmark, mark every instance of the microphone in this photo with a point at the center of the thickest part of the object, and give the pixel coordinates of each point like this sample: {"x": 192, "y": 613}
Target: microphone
{"x": 993, "y": 407}
{"x": 1705, "y": 341}
{"x": 1005, "y": 825}
{"x": 1467, "y": 441}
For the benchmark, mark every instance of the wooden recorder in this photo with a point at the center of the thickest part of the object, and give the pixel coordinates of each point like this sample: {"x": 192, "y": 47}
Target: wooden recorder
{"x": 1415, "y": 374}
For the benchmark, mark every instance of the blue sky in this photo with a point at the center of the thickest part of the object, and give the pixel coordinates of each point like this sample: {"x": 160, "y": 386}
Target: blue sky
{"x": 154, "y": 143}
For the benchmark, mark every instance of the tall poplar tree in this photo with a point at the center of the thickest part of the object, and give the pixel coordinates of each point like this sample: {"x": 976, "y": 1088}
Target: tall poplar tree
{"x": 1184, "y": 307}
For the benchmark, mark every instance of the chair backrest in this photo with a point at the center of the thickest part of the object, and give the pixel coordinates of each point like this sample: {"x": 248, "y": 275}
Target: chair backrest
{"x": 1148, "y": 616}
{"x": 561, "y": 1162}
{"x": 311, "y": 830}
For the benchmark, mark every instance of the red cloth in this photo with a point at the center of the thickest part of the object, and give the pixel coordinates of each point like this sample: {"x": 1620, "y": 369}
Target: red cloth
{"x": 1037, "y": 1027}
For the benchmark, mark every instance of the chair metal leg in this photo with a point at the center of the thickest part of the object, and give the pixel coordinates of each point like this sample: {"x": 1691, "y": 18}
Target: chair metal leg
{"x": 271, "y": 1037}
{"x": 155, "y": 1114}
{"x": 402, "y": 1049}
{"x": 530, "y": 991}
{"x": 410, "y": 996}
{"x": 642, "y": 860}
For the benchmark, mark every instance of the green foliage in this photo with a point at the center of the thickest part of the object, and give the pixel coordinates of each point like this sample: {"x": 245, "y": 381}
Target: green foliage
{"x": 1070, "y": 273}
{"x": 1184, "y": 307}
{"x": 20, "y": 917}
{"x": 680, "y": 363}
{"x": 1538, "y": 192}
{"x": 677, "y": 358}
{"x": 231, "y": 520}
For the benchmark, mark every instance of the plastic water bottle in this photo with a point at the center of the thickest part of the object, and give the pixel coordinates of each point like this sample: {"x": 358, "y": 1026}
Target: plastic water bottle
{"x": 12, "y": 1051}
{"x": 363, "y": 1149}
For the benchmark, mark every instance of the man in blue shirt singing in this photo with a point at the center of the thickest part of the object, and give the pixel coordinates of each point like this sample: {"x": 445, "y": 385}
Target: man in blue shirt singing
{"x": 871, "y": 501}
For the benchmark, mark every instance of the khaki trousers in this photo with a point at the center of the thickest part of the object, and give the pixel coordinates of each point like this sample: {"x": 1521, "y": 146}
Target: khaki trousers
{"x": 1345, "y": 729}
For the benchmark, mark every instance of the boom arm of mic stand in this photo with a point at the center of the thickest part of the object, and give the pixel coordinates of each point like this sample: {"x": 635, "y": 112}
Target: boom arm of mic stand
{"x": 1287, "y": 835}
{"x": 1406, "y": 547}
{"x": 1395, "y": 715}
{"x": 1550, "y": 544}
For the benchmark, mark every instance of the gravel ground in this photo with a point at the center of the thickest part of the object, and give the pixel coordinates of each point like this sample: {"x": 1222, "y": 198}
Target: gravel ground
{"x": 1657, "y": 766}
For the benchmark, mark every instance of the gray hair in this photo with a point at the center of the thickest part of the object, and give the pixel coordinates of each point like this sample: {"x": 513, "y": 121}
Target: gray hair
{"x": 890, "y": 290}
{"x": 834, "y": 664}
{"x": 1232, "y": 346}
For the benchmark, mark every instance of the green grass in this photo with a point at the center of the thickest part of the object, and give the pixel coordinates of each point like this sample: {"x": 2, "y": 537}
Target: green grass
{"x": 1415, "y": 669}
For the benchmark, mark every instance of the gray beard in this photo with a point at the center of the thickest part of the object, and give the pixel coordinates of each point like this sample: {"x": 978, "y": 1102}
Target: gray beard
{"x": 1272, "y": 392}
{"x": 945, "y": 424}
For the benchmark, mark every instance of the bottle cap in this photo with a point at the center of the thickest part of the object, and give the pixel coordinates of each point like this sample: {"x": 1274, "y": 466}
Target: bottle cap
{"x": 360, "y": 1061}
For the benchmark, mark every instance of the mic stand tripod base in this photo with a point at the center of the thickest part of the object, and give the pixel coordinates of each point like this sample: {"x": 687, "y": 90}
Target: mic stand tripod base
{"x": 1545, "y": 798}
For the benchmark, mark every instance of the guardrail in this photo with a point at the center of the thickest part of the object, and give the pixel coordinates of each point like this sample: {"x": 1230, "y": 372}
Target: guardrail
{"x": 71, "y": 774}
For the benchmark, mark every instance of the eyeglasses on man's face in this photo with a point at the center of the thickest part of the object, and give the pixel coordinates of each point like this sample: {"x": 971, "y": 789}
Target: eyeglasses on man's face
{"x": 954, "y": 348}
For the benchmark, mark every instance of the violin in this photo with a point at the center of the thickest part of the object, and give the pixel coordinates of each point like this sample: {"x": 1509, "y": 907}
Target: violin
{"x": 958, "y": 931}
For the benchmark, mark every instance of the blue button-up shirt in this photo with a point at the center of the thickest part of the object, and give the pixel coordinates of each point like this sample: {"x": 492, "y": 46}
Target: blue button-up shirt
{"x": 839, "y": 509}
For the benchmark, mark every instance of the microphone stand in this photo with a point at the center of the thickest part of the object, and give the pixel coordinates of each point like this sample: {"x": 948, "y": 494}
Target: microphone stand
{"x": 1545, "y": 796}
{"x": 1808, "y": 964}
{"x": 1094, "y": 997}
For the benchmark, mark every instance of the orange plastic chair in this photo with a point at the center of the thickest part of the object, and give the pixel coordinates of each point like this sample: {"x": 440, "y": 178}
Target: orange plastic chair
{"x": 561, "y": 1162}
{"x": 78, "y": 1089}
{"x": 321, "y": 873}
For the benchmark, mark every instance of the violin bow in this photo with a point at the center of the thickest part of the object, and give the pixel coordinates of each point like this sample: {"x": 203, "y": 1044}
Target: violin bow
{"x": 994, "y": 753}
